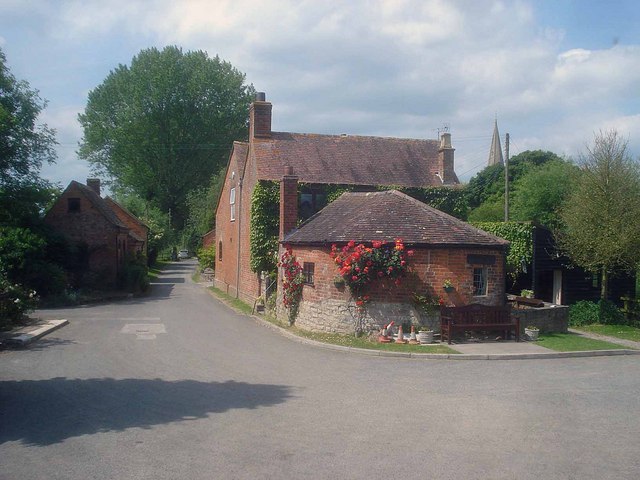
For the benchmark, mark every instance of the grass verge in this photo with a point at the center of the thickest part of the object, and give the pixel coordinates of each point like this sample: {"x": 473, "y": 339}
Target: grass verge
{"x": 157, "y": 269}
{"x": 333, "y": 338}
{"x": 624, "y": 332}
{"x": 571, "y": 342}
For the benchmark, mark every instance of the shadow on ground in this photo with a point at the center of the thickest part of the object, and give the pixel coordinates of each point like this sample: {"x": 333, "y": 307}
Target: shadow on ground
{"x": 44, "y": 412}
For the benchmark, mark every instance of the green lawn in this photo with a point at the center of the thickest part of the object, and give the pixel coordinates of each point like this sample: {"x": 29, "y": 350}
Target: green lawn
{"x": 620, "y": 331}
{"x": 335, "y": 339}
{"x": 571, "y": 342}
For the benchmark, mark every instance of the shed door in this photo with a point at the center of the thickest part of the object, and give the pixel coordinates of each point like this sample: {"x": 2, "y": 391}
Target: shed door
{"x": 557, "y": 287}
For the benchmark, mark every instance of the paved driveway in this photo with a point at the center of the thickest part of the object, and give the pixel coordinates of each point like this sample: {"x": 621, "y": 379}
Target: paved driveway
{"x": 178, "y": 386}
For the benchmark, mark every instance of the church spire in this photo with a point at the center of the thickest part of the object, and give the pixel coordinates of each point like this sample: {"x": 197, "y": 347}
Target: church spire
{"x": 495, "y": 154}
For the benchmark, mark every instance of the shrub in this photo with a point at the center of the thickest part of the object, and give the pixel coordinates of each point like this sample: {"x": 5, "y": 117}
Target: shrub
{"x": 135, "y": 275}
{"x": 15, "y": 301}
{"x": 207, "y": 257}
{"x": 587, "y": 313}
{"x": 583, "y": 313}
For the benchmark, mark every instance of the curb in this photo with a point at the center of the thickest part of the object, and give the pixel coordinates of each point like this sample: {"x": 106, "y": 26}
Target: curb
{"x": 24, "y": 339}
{"x": 431, "y": 356}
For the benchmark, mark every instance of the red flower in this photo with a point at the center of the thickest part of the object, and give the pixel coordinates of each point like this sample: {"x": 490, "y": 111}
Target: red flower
{"x": 354, "y": 278}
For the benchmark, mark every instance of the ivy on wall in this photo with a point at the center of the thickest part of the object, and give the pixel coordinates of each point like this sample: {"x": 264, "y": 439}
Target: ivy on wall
{"x": 520, "y": 234}
{"x": 265, "y": 211}
{"x": 265, "y": 226}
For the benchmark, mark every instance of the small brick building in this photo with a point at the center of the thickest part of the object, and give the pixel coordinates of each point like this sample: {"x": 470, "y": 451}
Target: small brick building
{"x": 445, "y": 248}
{"x": 105, "y": 229}
{"x": 318, "y": 160}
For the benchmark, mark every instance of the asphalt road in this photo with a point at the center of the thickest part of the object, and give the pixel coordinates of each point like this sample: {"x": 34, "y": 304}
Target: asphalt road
{"x": 177, "y": 386}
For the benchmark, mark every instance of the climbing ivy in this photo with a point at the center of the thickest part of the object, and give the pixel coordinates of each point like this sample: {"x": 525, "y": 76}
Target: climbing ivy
{"x": 265, "y": 226}
{"x": 520, "y": 234}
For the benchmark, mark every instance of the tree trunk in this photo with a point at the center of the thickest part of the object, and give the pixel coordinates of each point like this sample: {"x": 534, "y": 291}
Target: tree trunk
{"x": 604, "y": 290}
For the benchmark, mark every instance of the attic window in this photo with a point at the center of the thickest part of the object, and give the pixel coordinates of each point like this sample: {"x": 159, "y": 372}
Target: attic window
{"x": 73, "y": 205}
{"x": 232, "y": 202}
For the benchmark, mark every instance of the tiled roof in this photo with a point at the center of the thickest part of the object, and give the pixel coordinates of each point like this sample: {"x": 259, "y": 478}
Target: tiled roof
{"x": 348, "y": 159}
{"x": 239, "y": 153}
{"x": 385, "y": 216}
{"x": 115, "y": 206}
{"x": 99, "y": 203}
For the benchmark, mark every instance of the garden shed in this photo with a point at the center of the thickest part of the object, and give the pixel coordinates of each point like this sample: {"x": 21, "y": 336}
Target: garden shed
{"x": 368, "y": 258}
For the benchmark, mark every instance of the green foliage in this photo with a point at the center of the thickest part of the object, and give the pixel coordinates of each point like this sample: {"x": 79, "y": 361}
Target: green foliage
{"x": 600, "y": 217}
{"x": 603, "y": 312}
{"x": 134, "y": 277}
{"x": 521, "y": 237}
{"x": 163, "y": 125}
{"x": 489, "y": 183}
{"x": 202, "y": 204}
{"x": 15, "y": 301}
{"x": 207, "y": 257}
{"x": 24, "y": 145}
{"x": 449, "y": 200}
{"x": 539, "y": 193}
{"x": 265, "y": 226}
{"x": 491, "y": 210}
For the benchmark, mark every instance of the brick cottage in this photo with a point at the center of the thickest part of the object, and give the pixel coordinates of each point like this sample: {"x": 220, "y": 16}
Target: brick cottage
{"x": 359, "y": 162}
{"x": 444, "y": 249}
{"x": 106, "y": 230}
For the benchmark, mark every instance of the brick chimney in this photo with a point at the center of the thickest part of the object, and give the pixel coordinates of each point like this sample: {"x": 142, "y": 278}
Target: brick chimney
{"x": 260, "y": 117}
{"x": 94, "y": 184}
{"x": 445, "y": 160}
{"x": 288, "y": 202}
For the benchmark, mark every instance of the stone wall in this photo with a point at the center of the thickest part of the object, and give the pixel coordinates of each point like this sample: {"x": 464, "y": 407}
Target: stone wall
{"x": 549, "y": 319}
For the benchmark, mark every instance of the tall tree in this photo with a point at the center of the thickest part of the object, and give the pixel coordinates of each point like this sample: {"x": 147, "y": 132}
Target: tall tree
{"x": 602, "y": 231}
{"x": 162, "y": 126}
{"x": 539, "y": 193}
{"x": 24, "y": 146}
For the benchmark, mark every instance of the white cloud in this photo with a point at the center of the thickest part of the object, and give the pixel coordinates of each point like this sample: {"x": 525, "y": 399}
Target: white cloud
{"x": 388, "y": 67}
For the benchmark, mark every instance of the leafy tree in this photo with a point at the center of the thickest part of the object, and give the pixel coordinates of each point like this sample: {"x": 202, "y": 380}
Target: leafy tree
{"x": 165, "y": 124}
{"x": 24, "y": 146}
{"x": 202, "y": 204}
{"x": 538, "y": 194}
{"x": 490, "y": 181}
{"x": 602, "y": 232}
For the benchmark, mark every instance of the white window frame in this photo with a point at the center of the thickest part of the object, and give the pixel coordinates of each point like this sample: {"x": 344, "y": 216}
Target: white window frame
{"x": 485, "y": 279}
{"x": 232, "y": 203}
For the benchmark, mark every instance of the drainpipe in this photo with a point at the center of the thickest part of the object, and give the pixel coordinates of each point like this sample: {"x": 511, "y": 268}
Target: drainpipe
{"x": 239, "y": 197}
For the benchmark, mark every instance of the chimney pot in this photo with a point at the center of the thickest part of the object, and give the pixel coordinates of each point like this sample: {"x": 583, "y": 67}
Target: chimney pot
{"x": 261, "y": 97}
{"x": 288, "y": 171}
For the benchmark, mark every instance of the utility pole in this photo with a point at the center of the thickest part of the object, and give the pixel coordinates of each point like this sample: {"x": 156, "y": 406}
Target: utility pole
{"x": 506, "y": 178}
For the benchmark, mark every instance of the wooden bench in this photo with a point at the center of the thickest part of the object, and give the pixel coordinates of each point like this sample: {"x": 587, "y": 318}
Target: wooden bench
{"x": 476, "y": 317}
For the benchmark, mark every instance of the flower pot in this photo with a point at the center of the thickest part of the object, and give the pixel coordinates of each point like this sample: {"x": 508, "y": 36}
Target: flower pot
{"x": 448, "y": 289}
{"x": 425, "y": 337}
{"x": 531, "y": 334}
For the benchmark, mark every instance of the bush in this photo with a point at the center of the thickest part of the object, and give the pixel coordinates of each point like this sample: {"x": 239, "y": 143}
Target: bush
{"x": 15, "y": 301}
{"x": 207, "y": 257}
{"x": 135, "y": 275}
{"x": 587, "y": 313}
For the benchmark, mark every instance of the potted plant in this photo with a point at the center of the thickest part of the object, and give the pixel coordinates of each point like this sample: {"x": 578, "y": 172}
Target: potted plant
{"x": 526, "y": 293}
{"x": 447, "y": 285}
{"x": 532, "y": 332}
{"x": 338, "y": 282}
{"x": 425, "y": 334}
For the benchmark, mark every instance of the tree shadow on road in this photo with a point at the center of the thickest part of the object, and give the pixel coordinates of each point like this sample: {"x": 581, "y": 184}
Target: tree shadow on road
{"x": 44, "y": 412}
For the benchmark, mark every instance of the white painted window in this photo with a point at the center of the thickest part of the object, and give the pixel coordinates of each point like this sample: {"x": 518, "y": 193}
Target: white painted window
{"x": 480, "y": 281}
{"x": 232, "y": 202}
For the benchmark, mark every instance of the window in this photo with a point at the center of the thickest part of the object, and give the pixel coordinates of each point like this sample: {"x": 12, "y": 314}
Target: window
{"x": 479, "y": 281}
{"x": 73, "y": 205}
{"x": 307, "y": 271}
{"x": 220, "y": 250}
{"x": 232, "y": 202}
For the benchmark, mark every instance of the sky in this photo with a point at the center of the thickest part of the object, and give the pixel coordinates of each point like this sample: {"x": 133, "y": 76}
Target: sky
{"x": 552, "y": 72}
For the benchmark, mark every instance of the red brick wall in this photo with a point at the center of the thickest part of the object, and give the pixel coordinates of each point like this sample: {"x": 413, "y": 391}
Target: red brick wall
{"x": 126, "y": 218}
{"x": 91, "y": 227}
{"x": 209, "y": 239}
{"x": 260, "y": 120}
{"x": 429, "y": 268}
{"x": 234, "y": 235}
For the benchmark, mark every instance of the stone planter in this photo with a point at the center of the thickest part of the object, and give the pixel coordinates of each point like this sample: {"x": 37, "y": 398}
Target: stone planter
{"x": 531, "y": 334}
{"x": 425, "y": 337}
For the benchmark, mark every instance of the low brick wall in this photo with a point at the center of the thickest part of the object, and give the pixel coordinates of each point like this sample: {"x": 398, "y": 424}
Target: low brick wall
{"x": 549, "y": 319}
